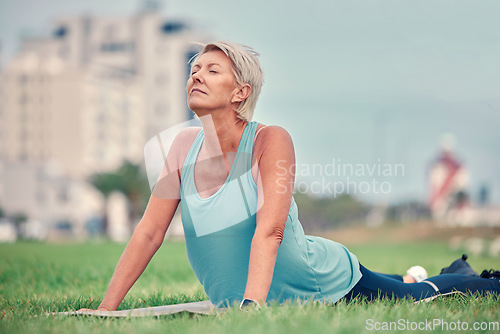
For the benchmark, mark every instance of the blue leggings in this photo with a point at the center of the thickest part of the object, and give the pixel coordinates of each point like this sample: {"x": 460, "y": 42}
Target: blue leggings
{"x": 374, "y": 286}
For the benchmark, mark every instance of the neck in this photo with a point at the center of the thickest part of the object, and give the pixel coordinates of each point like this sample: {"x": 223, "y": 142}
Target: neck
{"x": 222, "y": 132}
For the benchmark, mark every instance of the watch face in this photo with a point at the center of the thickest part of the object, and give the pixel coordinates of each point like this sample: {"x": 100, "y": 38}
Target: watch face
{"x": 247, "y": 302}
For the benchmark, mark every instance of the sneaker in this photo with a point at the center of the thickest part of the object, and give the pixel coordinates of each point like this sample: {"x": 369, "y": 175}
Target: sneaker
{"x": 491, "y": 274}
{"x": 418, "y": 273}
{"x": 460, "y": 266}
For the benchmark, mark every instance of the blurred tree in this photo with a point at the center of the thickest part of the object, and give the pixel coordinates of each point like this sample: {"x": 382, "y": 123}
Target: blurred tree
{"x": 106, "y": 183}
{"x": 128, "y": 179}
{"x": 2, "y": 213}
{"x": 18, "y": 219}
{"x": 409, "y": 211}
{"x": 329, "y": 212}
{"x": 133, "y": 183}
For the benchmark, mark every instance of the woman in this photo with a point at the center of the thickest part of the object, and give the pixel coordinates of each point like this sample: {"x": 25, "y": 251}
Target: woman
{"x": 234, "y": 180}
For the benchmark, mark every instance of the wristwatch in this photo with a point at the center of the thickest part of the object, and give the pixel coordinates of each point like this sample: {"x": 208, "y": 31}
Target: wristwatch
{"x": 248, "y": 303}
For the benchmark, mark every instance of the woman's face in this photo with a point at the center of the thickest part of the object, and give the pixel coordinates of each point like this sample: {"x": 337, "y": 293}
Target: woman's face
{"x": 212, "y": 84}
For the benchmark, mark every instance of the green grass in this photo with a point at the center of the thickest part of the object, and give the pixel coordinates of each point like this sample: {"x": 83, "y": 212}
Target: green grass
{"x": 37, "y": 278}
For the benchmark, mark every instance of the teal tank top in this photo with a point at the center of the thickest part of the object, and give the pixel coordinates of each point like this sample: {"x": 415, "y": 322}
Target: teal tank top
{"x": 219, "y": 231}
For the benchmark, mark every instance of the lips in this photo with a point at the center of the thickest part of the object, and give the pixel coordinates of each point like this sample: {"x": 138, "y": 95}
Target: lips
{"x": 197, "y": 90}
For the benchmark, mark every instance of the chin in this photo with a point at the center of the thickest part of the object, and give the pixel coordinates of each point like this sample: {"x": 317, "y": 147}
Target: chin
{"x": 199, "y": 107}
{"x": 196, "y": 102}
{"x": 195, "y": 107}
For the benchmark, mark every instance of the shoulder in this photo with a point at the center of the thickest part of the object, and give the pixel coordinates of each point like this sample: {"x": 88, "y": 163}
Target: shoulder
{"x": 182, "y": 143}
{"x": 273, "y": 136}
{"x": 273, "y": 142}
{"x": 189, "y": 133}
{"x": 185, "y": 138}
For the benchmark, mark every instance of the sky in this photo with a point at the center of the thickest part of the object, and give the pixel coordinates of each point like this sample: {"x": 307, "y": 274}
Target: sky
{"x": 368, "y": 84}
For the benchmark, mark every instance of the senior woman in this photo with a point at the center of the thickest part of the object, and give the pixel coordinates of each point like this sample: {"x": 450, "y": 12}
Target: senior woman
{"x": 234, "y": 180}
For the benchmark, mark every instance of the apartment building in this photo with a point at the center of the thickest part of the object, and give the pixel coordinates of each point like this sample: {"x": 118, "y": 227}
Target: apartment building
{"x": 84, "y": 99}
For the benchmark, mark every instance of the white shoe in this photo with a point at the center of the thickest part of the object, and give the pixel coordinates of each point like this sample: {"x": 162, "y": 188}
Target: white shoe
{"x": 418, "y": 273}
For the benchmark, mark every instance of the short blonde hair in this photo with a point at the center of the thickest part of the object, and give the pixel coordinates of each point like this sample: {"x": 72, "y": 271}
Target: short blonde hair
{"x": 246, "y": 68}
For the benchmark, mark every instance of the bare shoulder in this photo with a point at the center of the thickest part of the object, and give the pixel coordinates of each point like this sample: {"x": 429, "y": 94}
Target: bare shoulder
{"x": 185, "y": 138}
{"x": 273, "y": 143}
{"x": 182, "y": 143}
{"x": 273, "y": 137}
{"x": 188, "y": 134}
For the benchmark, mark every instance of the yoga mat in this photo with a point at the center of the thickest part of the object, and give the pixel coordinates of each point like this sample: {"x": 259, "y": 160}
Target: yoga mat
{"x": 204, "y": 307}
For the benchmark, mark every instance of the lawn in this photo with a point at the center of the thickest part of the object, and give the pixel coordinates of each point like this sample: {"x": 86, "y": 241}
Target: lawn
{"x": 37, "y": 278}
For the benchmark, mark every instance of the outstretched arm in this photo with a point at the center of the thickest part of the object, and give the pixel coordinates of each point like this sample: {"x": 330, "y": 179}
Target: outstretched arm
{"x": 145, "y": 241}
{"x": 150, "y": 232}
{"x": 275, "y": 183}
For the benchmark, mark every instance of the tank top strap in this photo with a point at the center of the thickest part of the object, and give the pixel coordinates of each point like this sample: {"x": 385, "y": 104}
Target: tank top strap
{"x": 248, "y": 136}
{"x": 192, "y": 155}
{"x": 247, "y": 141}
{"x": 195, "y": 149}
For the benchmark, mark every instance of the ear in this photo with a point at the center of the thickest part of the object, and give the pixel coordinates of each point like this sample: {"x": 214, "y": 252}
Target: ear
{"x": 241, "y": 93}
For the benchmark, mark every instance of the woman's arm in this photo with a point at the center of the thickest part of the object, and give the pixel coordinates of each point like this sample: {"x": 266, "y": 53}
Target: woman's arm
{"x": 275, "y": 181}
{"x": 150, "y": 232}
{"x": 145, "y": 241}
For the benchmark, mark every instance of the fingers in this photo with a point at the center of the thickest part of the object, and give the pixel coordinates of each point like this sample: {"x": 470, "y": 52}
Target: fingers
{"x": 100, "y": 308}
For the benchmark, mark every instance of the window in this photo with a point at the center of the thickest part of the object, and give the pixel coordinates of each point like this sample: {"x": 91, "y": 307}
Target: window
{"x": 41, "y": 197}
{"x": 117, "y": 47}
{"x": 23, "y": 99}
{"x": 22, "y": 156}
{"x": 63, "y": 194}
{"x": 23, "y": 79}
{"x": 173, "y": 27}
{"x": 61, "y": 32}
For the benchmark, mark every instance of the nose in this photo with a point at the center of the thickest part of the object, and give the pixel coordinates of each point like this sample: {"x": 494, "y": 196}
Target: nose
{"x": 197, "y": 77}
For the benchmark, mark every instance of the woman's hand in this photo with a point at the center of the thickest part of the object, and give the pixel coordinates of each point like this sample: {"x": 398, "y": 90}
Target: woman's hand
{"x": 100, "y": 308}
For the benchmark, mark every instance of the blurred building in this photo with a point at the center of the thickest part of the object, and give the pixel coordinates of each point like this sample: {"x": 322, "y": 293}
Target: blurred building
{"x": 449, "y": 199}
{"x": 83, "y": 100}
{"x": 448, "y": 180}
